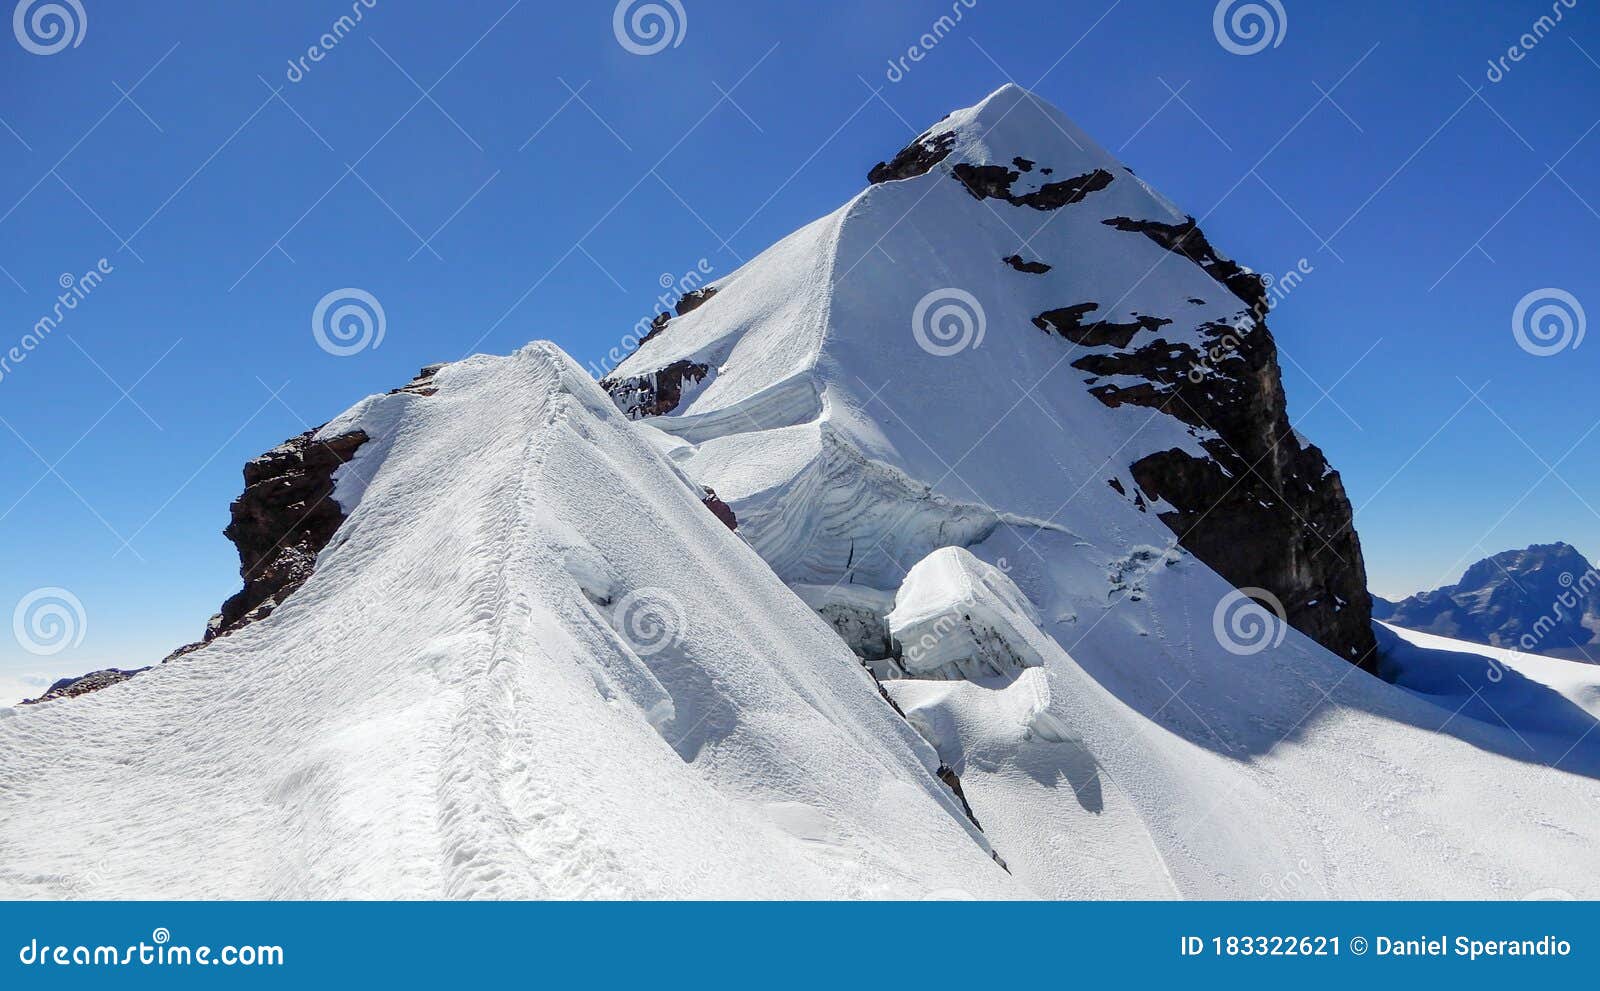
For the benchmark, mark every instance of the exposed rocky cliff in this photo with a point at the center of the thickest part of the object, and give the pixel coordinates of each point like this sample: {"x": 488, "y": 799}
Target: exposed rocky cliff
{"x": 284, "y": 517}
{"x": 1264, "y": 509}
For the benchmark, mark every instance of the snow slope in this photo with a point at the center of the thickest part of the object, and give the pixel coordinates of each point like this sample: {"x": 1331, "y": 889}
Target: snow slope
{"x": 532, "y": 665}
{"x": 1142, "y": 750}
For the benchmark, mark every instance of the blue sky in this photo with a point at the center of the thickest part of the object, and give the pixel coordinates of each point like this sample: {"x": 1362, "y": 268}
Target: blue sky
{"x": 438, "y": 158}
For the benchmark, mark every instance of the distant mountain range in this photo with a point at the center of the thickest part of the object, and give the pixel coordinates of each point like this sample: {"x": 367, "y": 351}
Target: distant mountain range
{"x": 1540, "y": 600}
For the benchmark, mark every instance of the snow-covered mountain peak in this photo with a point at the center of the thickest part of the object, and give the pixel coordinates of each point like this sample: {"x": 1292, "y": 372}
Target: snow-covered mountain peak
{"x": 1005, "y": 326}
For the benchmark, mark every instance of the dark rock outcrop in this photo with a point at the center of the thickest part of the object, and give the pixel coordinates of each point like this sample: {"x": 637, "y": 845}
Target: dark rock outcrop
{"x": 1544, "y": 599}
{"x": 995, "y": 182}
{"x": 687, "y": 303}
{"x": 719, "y": 509}
{"x": 422, "y": 384}
{"x": 1068, "y": 322}
{"x": 952, "y": 781}
{"x": 694, "y": 299}
{"x": 68, "y": 688}
{"x": 285, "y": 516}
{"x": 656, "y": 394}
{"x": 657, "y": 325}
{"x": 917, "y": 158}
{"x": 1188, "y": 240}
{"x": 1031, "y": 268}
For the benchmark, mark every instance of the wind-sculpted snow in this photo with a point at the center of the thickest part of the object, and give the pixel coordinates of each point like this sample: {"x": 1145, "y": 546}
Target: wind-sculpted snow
{"x": 958, "y": 617}
{"x": 530, "y": 664}
{"x": 828, "y": 514}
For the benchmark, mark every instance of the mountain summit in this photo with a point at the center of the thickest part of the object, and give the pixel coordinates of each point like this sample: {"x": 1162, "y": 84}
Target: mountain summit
{"x": 1541, "y": 599}
{"x": 1008, "y": 327}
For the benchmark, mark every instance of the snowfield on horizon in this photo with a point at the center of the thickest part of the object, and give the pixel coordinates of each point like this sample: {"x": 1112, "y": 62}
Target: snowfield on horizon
{"x": 942, "y": 655}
